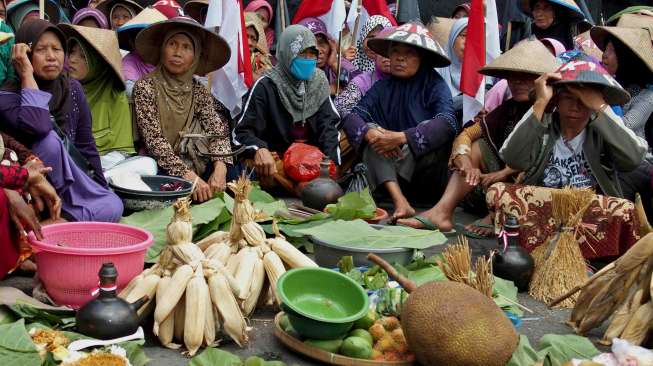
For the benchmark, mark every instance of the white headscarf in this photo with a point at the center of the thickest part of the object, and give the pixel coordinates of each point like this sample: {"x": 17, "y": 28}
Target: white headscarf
{"x": 452, "y": 73}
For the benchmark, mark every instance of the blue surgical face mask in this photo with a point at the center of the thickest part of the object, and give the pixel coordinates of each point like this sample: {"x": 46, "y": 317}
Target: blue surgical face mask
{"x": 303, "y": 68}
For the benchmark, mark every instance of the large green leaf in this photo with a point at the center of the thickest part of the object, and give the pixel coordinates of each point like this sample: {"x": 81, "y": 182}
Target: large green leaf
{"x": 555, "y": 350}
{"x": 505, "y": 295}
{"x": 6, "y": 315}
{"x": 155, "y": 221}
{"x": 16, "y": 346}
{"x": 353, "y": 205}
{"x": 62, "y": 319}
{"x": 359, "y": 234}
{"x": 135, "y": 353}
{"x": 215, "y": 357}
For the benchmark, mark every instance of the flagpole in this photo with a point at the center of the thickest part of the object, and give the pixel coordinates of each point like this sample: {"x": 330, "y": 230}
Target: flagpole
{"x": 397, "y": 10}
{"x": 41, "y": 9}
{"x": 357, "y": 23}
{"x": 339, "y": 67}
{"x": 282, "y": 6}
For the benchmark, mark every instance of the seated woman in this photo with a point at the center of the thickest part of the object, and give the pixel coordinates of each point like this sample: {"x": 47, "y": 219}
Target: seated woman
{"x": 97, "y": 67}
{"x": 475, "y": 157}
{"x": 133, "y": 66}
{"x": 22, "y": 173}
{"x": 632, "y": 66}
{"x": 175, "y": 114}
{"x": 365, "y": 57}
{"x": 263, "y": 10}
{"x": 45, "y": 109}
{"x": 554, "y": 19}
{"x": 327, "y": 59}
{"x": 289, "y": 104}
{"x": 452, "y": 73}
{"x": 404, "y": 126}
{"x": 258, "y": 46}
{"x": 119, "y": 12}
{"x": 90, "y": 17}
{"x": 583, "y": 143}
{"x": 21, "y": 10}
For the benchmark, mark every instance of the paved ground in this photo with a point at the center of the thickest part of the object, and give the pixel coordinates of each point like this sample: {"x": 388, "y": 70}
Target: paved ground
{"x": 542, "y": 321}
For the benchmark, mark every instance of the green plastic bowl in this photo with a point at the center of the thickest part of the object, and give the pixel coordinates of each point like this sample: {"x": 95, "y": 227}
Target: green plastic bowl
{"x": 321, "y": 303}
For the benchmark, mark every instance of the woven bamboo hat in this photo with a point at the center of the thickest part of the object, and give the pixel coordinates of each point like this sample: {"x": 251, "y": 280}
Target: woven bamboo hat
{"x": 415, "y": 35}
{"x": 106, "y": 6}
{"x": 637, "y": 21}
{"x": 570, "y": 8}
{"x": 193, "y": 8}
{"x": 141, "y": 21}
{"x": 636, "y": 39}
{"x": 104, "y": 41}
{"x": 214, "y": 54}
{"x": 529, "y": 56}
{"x": 440, "y": 29}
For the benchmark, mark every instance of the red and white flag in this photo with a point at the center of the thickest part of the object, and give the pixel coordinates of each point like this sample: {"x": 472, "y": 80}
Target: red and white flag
{"x": 481, "y": 47}
{"x": 368, "y": 8}
{"x": 232, "y": 81}
{"x": 332, "y": 13}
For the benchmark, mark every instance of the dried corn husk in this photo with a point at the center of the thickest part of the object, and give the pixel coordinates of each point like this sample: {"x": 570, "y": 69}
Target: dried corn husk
{"x": 245, "y": 272}
{"x": 219, "y": 252}
{"x": 274, "y": 269}
{"x": 644, "y": 226}
{"x": 622, "y": 317}
{"x": 209, "y": 323}
{"x": 173, "y": 292}
{"x": 180, "y": 228}
{"x": 180, "y": 319}
{"x": 639, "y": 325}
{"x": 289, "y": 254}
{"x": 253, "y": 233}
{"x": 258, "y": 281}
{"x": 233, "y": 323}
{"x": 196, "y": 309}
{"x": 216, "y": 237}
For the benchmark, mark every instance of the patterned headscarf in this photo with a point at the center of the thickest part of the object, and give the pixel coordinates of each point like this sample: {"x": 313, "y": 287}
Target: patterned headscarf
{"x": 362, "y": 61}
{"x": 301, "y": 98}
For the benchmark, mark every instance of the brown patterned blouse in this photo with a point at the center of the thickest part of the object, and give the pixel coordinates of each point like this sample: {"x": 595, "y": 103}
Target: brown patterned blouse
{"x": 212, "y": 116}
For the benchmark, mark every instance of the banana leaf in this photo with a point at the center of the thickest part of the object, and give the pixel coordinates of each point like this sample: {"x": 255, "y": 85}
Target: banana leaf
{"x": 16, "y": 346}
{"x": 353, "y": 205}
{"x": 555, "y": 350}
{"x": 359, "y": 234}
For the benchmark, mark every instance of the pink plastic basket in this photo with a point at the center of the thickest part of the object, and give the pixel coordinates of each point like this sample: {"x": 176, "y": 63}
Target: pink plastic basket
{"x": 71, "y": 255}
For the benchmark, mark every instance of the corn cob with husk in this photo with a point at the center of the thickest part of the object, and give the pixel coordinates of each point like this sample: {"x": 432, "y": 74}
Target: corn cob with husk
{"x": 210, "y": 287}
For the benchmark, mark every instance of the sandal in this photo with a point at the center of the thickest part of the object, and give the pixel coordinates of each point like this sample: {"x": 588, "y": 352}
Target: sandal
{"x": 479, "y": 224}
{"x": 428, "y": 225}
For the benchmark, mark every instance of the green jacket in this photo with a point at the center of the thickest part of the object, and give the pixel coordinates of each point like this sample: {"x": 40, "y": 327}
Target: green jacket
{"x": 609, "y": 146}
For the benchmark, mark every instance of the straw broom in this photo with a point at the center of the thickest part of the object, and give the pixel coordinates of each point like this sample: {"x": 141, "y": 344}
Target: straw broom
{"x": 559, "y": 265}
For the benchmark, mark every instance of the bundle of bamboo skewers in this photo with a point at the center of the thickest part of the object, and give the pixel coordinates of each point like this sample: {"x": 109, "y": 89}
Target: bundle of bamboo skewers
{"x": 621, "y": 291}
{"x": 202, "y": 288}
{"x": 559, "y": 264}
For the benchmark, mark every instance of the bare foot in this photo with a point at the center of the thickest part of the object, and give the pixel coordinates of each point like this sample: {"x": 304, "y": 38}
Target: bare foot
{"x": 479, "y": 230}
{"x": 437, "y": 217}
{"x": 403, "y": 210}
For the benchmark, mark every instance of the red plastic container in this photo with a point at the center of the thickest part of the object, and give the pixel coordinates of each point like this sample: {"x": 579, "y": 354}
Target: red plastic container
{"x": 71, "y": 255}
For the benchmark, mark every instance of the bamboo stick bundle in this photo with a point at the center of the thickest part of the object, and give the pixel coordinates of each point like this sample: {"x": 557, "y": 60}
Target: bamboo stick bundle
{"x": 559, "y": 264}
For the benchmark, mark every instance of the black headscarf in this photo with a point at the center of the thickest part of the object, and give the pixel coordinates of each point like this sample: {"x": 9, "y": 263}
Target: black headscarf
{"x": 561, "y": 29}
{"x": 29, "y": 33}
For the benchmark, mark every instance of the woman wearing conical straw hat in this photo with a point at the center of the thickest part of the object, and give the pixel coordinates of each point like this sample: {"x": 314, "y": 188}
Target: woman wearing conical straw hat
{"x": 176, "y": 115}
{"x": 628, "y": 55}
{"x": 94, "y": 60}
{"x": 119, "y": 12}
{"x": 554, "y": 19}
{"x": 475, "y": 157}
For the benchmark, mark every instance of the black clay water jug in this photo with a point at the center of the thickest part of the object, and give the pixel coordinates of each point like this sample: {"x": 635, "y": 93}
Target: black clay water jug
{"x": 512, "y": 262}
{"x": 108, "y": 316}
{"x": 321, "y": 191}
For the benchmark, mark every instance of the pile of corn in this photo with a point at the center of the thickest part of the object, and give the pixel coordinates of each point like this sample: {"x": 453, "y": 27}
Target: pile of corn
{"x": 203, "y": 288}
{"x": 621, "y": 292}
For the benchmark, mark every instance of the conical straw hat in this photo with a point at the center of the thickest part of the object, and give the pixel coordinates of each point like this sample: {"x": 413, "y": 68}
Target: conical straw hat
{"x": 141, "y": 21}
{"x": 584, "y": 43}
{"x": 529, "y": 56}
{"x": 571, "y": 8}
{"x": 637, "y": 21}
{"x": 106, "y": 6}
{"x": 104, "y": 41}
{"x": 193, "y": 8}
{"x": 440, "y": 29}
{"x": 636, "y": 39}
{"x": 415, "y": 35}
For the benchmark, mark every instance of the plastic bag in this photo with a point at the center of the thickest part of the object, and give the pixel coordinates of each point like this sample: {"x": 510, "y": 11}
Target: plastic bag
{"x": 301, "y": 162}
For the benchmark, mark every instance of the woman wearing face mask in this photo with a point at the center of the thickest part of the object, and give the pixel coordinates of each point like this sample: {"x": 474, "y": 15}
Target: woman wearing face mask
{"x": 119, "y": 12}
{"x": 172, "y": 108}
{"x": 289, "y": 104}
{"x": 57, "y": 110}
{"x": 555, "y": 19}
{"x": 474, "y": 157}
{"x": 404, "y": 126}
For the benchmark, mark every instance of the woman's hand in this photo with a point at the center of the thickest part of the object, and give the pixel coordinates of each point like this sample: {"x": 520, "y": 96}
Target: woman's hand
{"x": 388, "y": 142}
{"x": 264, "y": 163}
{"x": 350, "y": 53}
{"x": 590, "y": 97}
{"x": 23, "y": 65}
{"x": 465, "y": 168}
{"x": 218, "y": 180}
{"x": 543, "y": 93}
{"x": 44, "y": 195}
{"x": 202, "y": 191}
{"x": 22, "y": 214}
{"x": 501, "y": 176}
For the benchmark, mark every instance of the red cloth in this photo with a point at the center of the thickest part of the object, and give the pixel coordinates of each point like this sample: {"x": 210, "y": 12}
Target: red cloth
{"x": 8, "y": 243}
{"x": 474, "y": 50}
{"x": 169, "y": 8}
